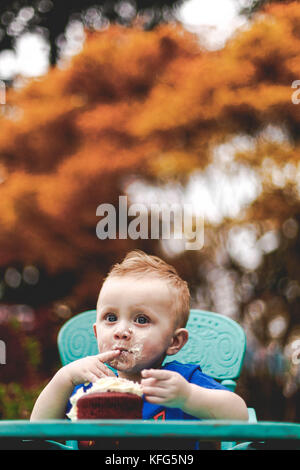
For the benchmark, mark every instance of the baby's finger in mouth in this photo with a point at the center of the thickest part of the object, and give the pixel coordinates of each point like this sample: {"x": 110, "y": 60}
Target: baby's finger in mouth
{"x": 107, "y": 355}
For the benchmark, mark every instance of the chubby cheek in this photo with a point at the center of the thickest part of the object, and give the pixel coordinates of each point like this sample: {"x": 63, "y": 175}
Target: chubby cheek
{"x": 104, "y": 343}
{"x": 139, "y": 351}
{"x": 147, "y": 351}
{"x": 103, "y": 346}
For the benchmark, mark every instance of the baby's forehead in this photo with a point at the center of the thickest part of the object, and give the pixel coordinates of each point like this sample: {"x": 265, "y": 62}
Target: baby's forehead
{"x": 133, "y": 289}
{"x": 135, "y": 281}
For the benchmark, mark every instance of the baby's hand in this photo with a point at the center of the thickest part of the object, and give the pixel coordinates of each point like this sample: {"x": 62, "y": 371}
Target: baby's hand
{"x": 165, "y": 387}
{"x": 90, "y": 368}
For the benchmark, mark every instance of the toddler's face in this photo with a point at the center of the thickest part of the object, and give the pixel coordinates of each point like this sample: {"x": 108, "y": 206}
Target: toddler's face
{"x": 136, "y": 316}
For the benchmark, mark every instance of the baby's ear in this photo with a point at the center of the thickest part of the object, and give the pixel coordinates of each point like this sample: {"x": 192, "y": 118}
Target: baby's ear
{"x": 179, "y": 339}
{"x": 95, "y": 329}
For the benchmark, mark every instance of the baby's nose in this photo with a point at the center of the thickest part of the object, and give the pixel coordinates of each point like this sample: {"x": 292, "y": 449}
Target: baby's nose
{"x": 123, "y": 332}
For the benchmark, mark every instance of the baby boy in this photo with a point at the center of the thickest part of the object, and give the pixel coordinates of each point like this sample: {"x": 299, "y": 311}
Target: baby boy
{"x": 142, "y": 311}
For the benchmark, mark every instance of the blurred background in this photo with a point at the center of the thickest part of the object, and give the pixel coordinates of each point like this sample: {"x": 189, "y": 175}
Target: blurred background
{"x": 188, "y": 102}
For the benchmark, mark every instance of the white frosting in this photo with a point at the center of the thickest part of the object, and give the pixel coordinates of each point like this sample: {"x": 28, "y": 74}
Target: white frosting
{"x": 107, "y": 384}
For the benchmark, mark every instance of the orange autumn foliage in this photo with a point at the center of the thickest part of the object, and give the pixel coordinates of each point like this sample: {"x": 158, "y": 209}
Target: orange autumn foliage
{"x": 132, "y": 102}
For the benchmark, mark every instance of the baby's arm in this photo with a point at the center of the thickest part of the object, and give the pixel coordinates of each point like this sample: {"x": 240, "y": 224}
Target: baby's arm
{"x": 52, "y": 402}
{"x": 171, "y": 389}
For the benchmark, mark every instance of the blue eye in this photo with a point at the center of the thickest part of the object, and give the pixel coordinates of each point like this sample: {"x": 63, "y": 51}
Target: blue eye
{"x": 110, "y": 317}
{"x": 141, "y": 319}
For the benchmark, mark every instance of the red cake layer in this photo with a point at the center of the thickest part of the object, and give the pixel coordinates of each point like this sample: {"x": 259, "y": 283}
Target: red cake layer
{"x": 110, "y": 405}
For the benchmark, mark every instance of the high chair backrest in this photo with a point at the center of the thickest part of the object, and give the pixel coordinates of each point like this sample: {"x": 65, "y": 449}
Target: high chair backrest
{"x": 217, "y": 343}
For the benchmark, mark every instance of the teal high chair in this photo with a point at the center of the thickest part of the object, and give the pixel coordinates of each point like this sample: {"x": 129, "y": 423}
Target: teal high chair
{"x": 216, "y": 343}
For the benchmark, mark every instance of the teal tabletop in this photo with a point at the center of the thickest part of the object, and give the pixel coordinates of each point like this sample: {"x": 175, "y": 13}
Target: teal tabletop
{"x": 201, "y": 430}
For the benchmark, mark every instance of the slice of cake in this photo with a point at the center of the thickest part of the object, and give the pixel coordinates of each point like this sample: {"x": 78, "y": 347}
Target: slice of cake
{"x": 110, "y": 405}
{"x": 108, "y": 398}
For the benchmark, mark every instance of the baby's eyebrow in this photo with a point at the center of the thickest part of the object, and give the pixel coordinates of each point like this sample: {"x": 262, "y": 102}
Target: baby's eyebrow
{"x": 106, "y": 309}
{"x": 144, "y": 309}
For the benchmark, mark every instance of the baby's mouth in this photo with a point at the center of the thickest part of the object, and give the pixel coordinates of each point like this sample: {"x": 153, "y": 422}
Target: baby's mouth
{"x": 122, "y": 350}
{"x": 134, "y": 351}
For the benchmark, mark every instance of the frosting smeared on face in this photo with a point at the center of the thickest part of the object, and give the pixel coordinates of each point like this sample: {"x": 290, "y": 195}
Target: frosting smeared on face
{"x": 136, "y": 317}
